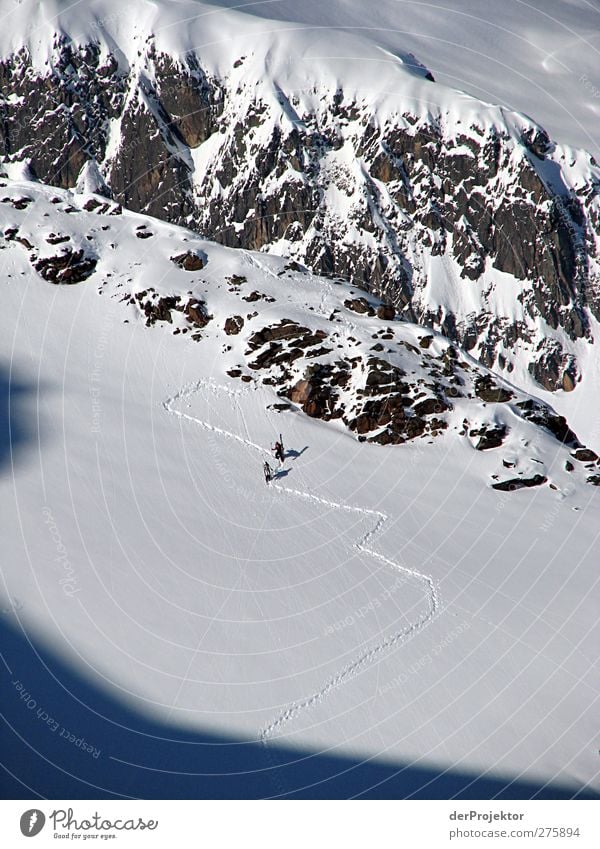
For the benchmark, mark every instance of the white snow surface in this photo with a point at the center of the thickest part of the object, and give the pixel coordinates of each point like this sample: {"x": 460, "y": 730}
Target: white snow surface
{"x": 377, "y": 602}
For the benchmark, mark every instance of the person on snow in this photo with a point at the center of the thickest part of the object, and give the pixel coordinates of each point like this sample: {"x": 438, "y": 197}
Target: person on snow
{"x": 278, "y": 449}
{"x": 268, "y": 472}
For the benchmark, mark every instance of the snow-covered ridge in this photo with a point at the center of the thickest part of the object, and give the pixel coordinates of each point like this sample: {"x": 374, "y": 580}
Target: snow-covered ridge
{"x": 274, "y": 55}
{"x": 538, "y": 57}
{"x": 282, "y": 53}
{"x": 326, "y": 147}
{"x": 288, "y": 52}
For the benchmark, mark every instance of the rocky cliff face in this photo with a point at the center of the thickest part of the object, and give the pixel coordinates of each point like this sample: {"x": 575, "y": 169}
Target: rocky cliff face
{"x": 475, "y": 224}
{"x": 323, "y": 348}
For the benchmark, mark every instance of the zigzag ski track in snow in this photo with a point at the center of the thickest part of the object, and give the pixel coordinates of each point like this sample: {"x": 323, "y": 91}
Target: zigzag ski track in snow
{"x": 363, "y": 545}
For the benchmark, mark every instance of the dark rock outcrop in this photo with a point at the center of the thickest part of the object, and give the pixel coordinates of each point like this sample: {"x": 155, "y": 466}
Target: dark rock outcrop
{"x": 359, "y": 305}
{"x": 541, "y": 415}
{"x": 233, "y": 325}
{"x": 519, "y": 483}
{"x": 158, "y": 308}
{"x": 68, "y": 267}
{"x": 487, "y": 390}
{"x": 386, "y": 312}
{"x": 489, "y": 436}
{"x": 197, "y": 312}
{"x": 189, "y": 261}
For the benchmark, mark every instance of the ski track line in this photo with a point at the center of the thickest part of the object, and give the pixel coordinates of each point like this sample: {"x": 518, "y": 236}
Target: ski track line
{"x": 366, "y": 657}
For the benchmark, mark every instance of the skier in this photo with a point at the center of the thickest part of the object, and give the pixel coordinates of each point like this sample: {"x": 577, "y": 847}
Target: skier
{"x": 279, "y": 451}
{"x": 268, "y": 472}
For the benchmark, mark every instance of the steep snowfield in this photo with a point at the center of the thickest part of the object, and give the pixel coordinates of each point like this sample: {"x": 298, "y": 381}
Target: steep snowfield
{"x": 380, "y": 604}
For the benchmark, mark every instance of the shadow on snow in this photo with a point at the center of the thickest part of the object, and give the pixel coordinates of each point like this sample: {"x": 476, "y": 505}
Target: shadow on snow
{"x": 18, "y": 423}
{"x": 142, "y": 757}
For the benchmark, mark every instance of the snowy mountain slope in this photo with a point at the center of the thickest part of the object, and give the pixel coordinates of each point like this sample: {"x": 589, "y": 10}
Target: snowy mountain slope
{"x": 336, "y": 356}
{"x": 538, "y": 57}
{"x": 378, "y": 601}
{"x": 266, "y": 135}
